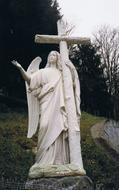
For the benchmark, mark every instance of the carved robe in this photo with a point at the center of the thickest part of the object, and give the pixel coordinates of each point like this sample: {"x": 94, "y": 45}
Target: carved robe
{"x": 46, "y": 88}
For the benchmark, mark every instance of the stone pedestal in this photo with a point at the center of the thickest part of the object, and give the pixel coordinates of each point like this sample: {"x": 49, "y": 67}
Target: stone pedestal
{"x": 60, "y": 183}
{"x": 59, "y": 170}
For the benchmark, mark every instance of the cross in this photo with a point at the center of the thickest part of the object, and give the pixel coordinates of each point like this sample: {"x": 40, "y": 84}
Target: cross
{"x": 64, "y": 41}
{"x": 61, "y": 37}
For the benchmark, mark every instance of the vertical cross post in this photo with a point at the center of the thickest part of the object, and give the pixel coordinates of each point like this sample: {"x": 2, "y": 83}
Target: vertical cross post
{"x": 74, "y": 136}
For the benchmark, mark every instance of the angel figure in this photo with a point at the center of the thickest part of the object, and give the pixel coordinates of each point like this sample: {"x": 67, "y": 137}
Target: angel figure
{"x": 48, "y": 115}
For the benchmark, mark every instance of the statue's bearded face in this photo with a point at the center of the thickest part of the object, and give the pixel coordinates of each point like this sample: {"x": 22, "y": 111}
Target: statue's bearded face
{"x": 52, "y": 58}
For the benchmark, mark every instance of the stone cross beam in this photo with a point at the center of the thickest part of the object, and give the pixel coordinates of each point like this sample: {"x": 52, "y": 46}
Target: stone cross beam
{"x": 54, "y": 39}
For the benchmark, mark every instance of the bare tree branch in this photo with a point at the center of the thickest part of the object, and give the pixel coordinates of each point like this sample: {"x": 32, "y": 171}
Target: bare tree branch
{"x": 106, "y": 40}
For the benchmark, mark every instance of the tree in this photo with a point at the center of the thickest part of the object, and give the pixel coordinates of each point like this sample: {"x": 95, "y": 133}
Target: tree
{"x": 20, "y": 21}
{"x": 106, "y": 40}
{"x": 93, "y": 86}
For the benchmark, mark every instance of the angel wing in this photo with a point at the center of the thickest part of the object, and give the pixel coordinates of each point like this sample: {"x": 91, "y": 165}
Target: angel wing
{"x": 34, "y": 66}
{"x": 33, "y": 108}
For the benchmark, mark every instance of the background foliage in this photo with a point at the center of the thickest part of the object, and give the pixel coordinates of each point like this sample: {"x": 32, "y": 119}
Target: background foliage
{"x": 19, "y": 22}
{"x": 95, "y": 96}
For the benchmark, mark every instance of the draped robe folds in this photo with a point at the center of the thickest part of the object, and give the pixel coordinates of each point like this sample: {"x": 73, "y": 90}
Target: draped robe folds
{"x": 46, "y": 88}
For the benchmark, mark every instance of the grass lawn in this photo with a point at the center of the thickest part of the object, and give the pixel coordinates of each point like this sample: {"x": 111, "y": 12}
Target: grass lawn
{"x": 16, "y": 155}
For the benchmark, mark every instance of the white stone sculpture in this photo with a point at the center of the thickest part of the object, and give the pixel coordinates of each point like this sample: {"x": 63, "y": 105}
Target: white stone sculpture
{"x": 53, "y": 95}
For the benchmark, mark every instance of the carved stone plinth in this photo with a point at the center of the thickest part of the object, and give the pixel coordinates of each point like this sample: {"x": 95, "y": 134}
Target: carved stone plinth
{"x": 37, "y": 171}
{"x": 60, "y": 183}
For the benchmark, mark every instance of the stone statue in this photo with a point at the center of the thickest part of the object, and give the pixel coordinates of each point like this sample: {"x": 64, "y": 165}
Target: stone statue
{"x": 53, "y": 95}
{"x": 47, "y": 110}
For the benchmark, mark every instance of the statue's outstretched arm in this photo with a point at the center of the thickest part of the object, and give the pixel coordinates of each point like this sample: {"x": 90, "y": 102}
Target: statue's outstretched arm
{"x": 24, "y": 74}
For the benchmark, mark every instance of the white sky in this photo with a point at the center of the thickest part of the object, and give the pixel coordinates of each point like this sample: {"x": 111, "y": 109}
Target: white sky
{"x": 88, "y": 15}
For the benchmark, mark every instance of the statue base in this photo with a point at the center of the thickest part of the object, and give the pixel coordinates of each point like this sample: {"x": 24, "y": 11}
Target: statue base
{"x": 37, "y": 171}
{"x": 60, "y": 183}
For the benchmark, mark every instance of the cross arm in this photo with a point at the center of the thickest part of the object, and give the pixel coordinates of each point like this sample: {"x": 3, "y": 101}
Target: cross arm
{"x": 54, "y": 39}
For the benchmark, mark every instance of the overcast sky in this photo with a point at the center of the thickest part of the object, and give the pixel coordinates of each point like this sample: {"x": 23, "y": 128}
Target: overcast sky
{"x": 88, "y": 15}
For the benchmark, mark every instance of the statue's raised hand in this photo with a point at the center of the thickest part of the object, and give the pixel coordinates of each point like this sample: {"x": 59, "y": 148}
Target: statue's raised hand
{"x": 16, "y": 64}
{"x": 24, "y": 74}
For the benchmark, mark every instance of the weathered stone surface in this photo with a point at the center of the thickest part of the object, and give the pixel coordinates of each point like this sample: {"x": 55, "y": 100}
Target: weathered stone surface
{"x": 61, "y": 183}
{"x": 37, "y": 171}
{"x": 106, "y": 134}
